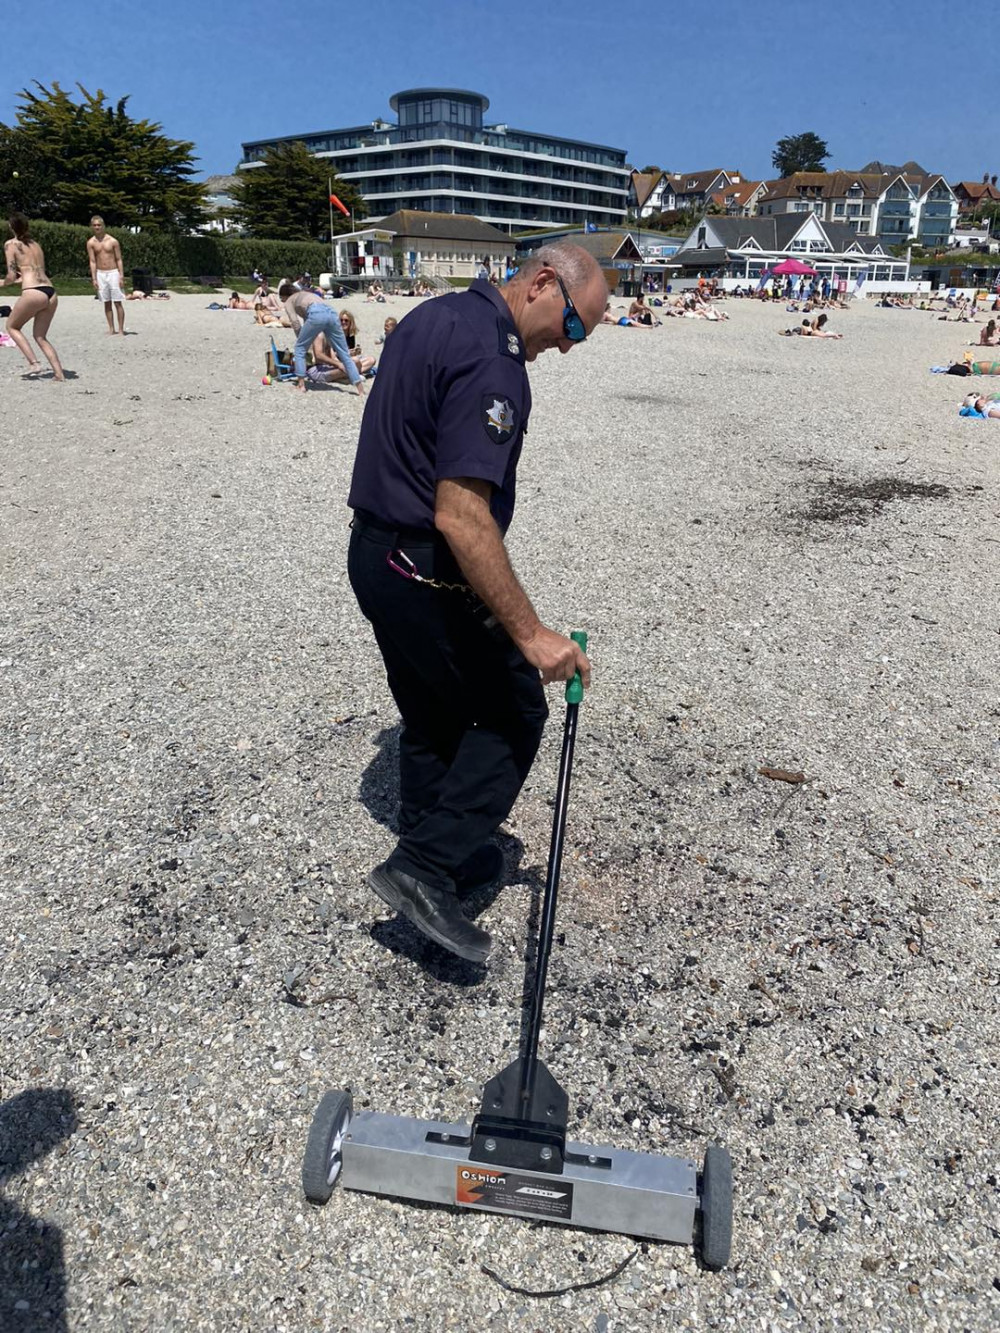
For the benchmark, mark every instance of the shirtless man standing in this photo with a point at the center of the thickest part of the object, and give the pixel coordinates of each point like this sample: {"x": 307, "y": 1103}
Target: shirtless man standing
{"x": 106, "y": 269}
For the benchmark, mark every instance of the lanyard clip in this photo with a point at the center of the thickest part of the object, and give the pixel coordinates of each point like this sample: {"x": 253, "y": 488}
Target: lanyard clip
{"x": 410, "y": 572}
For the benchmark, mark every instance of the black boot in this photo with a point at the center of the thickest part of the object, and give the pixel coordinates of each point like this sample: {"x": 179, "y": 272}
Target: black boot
{"x": 434, "y": 912}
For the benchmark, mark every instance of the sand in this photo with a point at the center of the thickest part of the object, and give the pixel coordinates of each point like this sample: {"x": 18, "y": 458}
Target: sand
{"x": 786, "y": 554}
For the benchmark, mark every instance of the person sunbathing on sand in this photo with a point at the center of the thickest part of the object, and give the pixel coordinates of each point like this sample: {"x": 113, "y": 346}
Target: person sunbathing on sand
{"x": 700, "y": 307}
{"x": 988, "y": 337}
{"x": 979, "y": 405}
{"x": 808, "y": 330}
{"x": 268, "y": 298}
{"x": 236, "y": 302}
{"x": 819, "y": 329}
{"x": 640, "y": 313}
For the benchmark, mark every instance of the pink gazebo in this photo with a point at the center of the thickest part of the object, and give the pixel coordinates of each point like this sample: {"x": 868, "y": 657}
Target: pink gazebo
{"x": 793, "y": 268}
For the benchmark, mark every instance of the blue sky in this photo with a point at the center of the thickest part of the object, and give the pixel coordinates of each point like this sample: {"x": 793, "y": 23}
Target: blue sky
{"x": 686, "y": 86}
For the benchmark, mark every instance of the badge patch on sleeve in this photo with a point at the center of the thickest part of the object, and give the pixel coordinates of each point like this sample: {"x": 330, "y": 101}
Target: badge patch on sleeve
{"x": 499, "y": 418}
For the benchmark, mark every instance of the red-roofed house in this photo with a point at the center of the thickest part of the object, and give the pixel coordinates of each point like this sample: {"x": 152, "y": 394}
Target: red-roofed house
{"x": 673, "y": 190}
{"x": 973, "y": 194}
{"x": 739, "y": 201}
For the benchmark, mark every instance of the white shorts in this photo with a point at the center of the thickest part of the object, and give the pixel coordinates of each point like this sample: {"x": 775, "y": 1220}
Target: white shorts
{"x": 109, "y": 285}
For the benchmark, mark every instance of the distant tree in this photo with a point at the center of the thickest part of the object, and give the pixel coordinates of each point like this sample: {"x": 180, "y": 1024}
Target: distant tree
{"x": 27, "y": 182}
{"x": 287, "y": 199}
{"x": 100, "y": 160}
{"x": 673, "y": 220}
{"x": 650, "y": 171}
{"x": 799, "y": 152}
{"x": 654, "y": 222}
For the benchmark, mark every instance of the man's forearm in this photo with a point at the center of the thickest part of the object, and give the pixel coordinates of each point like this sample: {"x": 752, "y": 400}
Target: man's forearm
{"x": 477, "y": 545}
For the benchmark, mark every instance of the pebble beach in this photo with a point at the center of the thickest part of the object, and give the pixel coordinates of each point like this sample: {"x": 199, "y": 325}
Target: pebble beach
{"x": 778, "y": 925}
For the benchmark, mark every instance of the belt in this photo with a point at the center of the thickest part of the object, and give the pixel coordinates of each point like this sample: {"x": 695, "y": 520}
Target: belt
{"x": 364, "y": 522}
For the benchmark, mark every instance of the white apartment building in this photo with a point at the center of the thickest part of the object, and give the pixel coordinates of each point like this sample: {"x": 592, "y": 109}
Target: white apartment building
{"x": 892, "y": 206}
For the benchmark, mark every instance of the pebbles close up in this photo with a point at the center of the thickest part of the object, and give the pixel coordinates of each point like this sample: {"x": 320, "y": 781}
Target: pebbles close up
{"x": 786, "y": 555}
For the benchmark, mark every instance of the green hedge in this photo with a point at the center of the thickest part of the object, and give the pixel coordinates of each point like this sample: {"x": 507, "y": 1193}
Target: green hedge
{"x": 65, "y": 249}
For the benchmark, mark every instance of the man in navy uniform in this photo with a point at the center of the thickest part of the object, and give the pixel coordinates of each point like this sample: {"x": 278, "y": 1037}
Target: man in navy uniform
{"x": 465, "y": 654}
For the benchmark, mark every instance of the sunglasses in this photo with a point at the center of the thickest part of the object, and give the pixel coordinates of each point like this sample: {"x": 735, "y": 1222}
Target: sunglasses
{"x": 572, "y": 323}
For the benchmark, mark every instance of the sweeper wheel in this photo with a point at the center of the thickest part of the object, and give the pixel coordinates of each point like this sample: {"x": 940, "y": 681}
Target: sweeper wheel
{"x": 716, "y": 1208}
{"x": 324, "y": 1147}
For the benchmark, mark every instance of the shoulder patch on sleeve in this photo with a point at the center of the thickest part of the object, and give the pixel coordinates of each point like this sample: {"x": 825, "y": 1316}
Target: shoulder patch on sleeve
{"x": 500, "y": 417}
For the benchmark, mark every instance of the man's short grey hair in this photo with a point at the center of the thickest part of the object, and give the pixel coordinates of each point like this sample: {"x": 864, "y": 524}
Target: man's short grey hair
{"x": 574, "y": 265}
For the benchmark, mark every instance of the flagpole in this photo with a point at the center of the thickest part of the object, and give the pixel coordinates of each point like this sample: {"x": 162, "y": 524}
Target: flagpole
{"x": 330, "y": 200}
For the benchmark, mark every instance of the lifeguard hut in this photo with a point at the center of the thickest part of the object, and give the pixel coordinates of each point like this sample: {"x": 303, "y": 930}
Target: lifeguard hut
{"x": 362, "y": 256}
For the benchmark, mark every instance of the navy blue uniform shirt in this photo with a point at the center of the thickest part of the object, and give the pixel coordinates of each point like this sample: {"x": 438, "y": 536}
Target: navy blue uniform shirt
{"x": 451, "y": 400}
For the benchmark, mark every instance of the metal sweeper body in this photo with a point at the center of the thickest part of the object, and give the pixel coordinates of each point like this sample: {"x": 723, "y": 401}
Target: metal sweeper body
{"x": 515, "y": 1158}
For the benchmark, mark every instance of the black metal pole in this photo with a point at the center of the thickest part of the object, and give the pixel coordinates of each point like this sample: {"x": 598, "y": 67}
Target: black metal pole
{"x": 547, "y": 928}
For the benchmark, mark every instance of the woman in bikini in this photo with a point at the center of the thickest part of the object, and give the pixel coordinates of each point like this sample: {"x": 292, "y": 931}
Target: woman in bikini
{"x": 38, "y": 300}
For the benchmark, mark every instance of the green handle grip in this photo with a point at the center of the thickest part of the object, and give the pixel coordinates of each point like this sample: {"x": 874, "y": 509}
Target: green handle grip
{"x": 574, "y": 690}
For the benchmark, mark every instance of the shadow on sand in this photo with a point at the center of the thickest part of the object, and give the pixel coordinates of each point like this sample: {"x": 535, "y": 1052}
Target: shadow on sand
{"x": 32, "y": 1268}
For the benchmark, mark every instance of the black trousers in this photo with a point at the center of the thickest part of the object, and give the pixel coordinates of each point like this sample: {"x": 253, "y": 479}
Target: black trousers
{"x": 473, "y": 709}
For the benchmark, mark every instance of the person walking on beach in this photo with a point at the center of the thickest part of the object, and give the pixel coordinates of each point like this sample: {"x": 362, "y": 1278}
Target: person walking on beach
{"x": 465, "y": 652}
{"x": 106, "y": 272}
{"x": 38, "y": 300}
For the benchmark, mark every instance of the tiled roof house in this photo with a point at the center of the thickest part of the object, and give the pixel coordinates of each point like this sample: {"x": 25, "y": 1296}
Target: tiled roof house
{"x": 972, "y": 194}
{"x": 674, "y": 190}
{"x": 893, "y": 205}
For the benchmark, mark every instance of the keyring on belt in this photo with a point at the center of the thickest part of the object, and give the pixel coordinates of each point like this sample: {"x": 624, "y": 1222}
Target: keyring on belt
{"x": 411, "y": 572}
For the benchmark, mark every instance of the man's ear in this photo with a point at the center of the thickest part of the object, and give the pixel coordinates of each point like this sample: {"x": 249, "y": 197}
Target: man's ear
{"x": 543, "y": 279}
